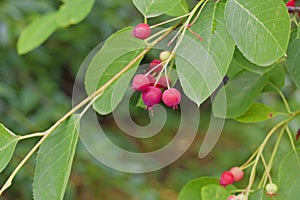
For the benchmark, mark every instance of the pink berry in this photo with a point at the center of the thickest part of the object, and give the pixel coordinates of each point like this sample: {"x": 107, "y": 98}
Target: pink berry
{"x": 171, "y": 97}
{"x": 163, "y": 82}
{"x": 155, "y": 64}
{"x": 140, "y": 82}
{"x": 141, "y": 31}
{"x": 227, "y": 178}
{"x": 238, "y": 173}
{"x": 151, "y": 79}
{"x": 232, "y": 197}
{"x": 152, "y": 96}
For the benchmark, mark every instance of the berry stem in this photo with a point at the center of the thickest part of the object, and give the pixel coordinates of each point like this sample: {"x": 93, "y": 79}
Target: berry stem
{"x": 291, "y": 138}
{"x": 170, "y": 20}
{"x": 282, "y": 97}
{"x": 24, "y": 137}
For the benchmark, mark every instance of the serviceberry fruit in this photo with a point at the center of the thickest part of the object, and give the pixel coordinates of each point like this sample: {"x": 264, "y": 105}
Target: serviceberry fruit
{"x": 163, "y": 82}
{"x": 151, "y": 79}
{"x": 271, "y": 189}
{"x": 241, "y": 197}
{"x": 141, "y": 31}
{"x": 154, "y": 65}
{"x": 164, "y": 55}
{"x": 171, "y": 97}
{"x": 140, "y": 82}
{"x": 232, "y": 197}
{"x": 227, "y": 178}
{"x": 151, "y": 96}
{"x": 238, "y": 173}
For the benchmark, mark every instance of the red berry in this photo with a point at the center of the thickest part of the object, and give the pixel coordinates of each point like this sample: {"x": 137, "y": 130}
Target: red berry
{"x": 238, "y": 173}
{"x": 162, "y": 82}
{"x": 151, "y": 79}
{"x": 141, "y": 31}
{"x": 140, "y": 82}
{"x": 290, "y": 3}
{"x": 232, "y": 197}
{"x": 171, "y": 97}
{"x": 227, "y": 178}
{"x": 152, "y": 96}
{"x": 154, "y": 64}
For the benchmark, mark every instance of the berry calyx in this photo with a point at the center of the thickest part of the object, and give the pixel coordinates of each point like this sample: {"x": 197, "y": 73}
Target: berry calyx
{"x": 151, "y": 96}
{"x": 164, "y": 55}
{"x": 140, "y": 82}
{"x": 271, "y": 189}
{"x": 156, "y": 66}
{"x": 238, "y": 173}
{"x": 141, "y": 31}
{"x": 227, "y": 178}
{"x": 171, "y": 97}
{"x": 163, "y": 82}
{"x": 232, "y": 197}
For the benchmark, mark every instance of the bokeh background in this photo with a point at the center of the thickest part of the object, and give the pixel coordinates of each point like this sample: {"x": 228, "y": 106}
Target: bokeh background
{"x": 36, "y": 89}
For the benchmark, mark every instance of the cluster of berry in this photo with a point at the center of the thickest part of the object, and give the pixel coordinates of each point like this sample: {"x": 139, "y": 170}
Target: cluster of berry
{"x": 236, "y": 174}
{"x": 153, "y": 91}
{"x": 291, "y": 3}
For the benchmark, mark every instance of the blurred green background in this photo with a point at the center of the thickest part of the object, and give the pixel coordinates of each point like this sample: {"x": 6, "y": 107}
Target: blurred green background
{"x": 36, "y": 89}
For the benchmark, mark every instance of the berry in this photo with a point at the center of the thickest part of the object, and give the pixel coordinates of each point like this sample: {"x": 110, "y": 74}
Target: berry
{"x": 290, "y": 3}
{"x": 227, "y": 178}
{"x": 154, "y": 64}
{"x": 241, "y": 197}
{"x": 232, "y": 197}
{"x": 171, "y": 97}
{"x": 141, "y": 31}
{"x": 164, "y": 55}
{"x": 163, "y": 82}
{"x": 271, "y": 188}
{"x": 151, "y": 79}
{"x": 140, "y": 82}
{"x": 152, "y": 96}
{"x": 237, "y": 173}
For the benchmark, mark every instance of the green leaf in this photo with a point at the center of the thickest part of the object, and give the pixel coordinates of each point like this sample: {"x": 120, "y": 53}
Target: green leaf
{"x": 241, "y": 92}
{"x": 117, "y": 51}
{"x": 180, "y": 9}
{"x": 73, "y": 11}
{"x": 293, "y": 60}
{"x": 241, "y": 61}
{"x": 36, "y": 33}
{"x": 261, "y": 33}
{"x": 202, "y": 65}
{"x": 214, "y": 192}
{"x": 289, "y": 176}
{"x": 54, "y": 162}
{"x": 154, "y": 8}
{"x": 192, "y": 190}
{"x": 257, "y": 112}
{"x": 298, "y": 33}
{"x": 8, "y": 142}
{"x": 276, "y": 78}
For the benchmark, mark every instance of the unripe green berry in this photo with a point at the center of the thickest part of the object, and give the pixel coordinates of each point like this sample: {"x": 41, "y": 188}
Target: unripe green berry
{"x": 164, "y": 55}
{"x": 271, "y": 188}
{"x": 241, "y": 197}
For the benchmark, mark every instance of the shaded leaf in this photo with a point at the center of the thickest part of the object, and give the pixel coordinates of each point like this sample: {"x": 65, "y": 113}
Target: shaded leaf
{"x": 8, "y": 142}
{"x": 293, "y": 60}
{"x": 54, "y": 162}
{"x": 214, "y": 192}
{"x": 118, "y": 50}
{"x": 261, "y": 33}
{"x": 240, "y": 91}
{"x": 289, "y": 176}
{"x": 180, "y": 9}
{"x": 258, "y": 112}
{"x": 154, "y": 8}
{"x": 202, "y": 65}
{"x": 37, "y": 32}
{"x": 276, "y": 78}
{"x": 193, "y": 189}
